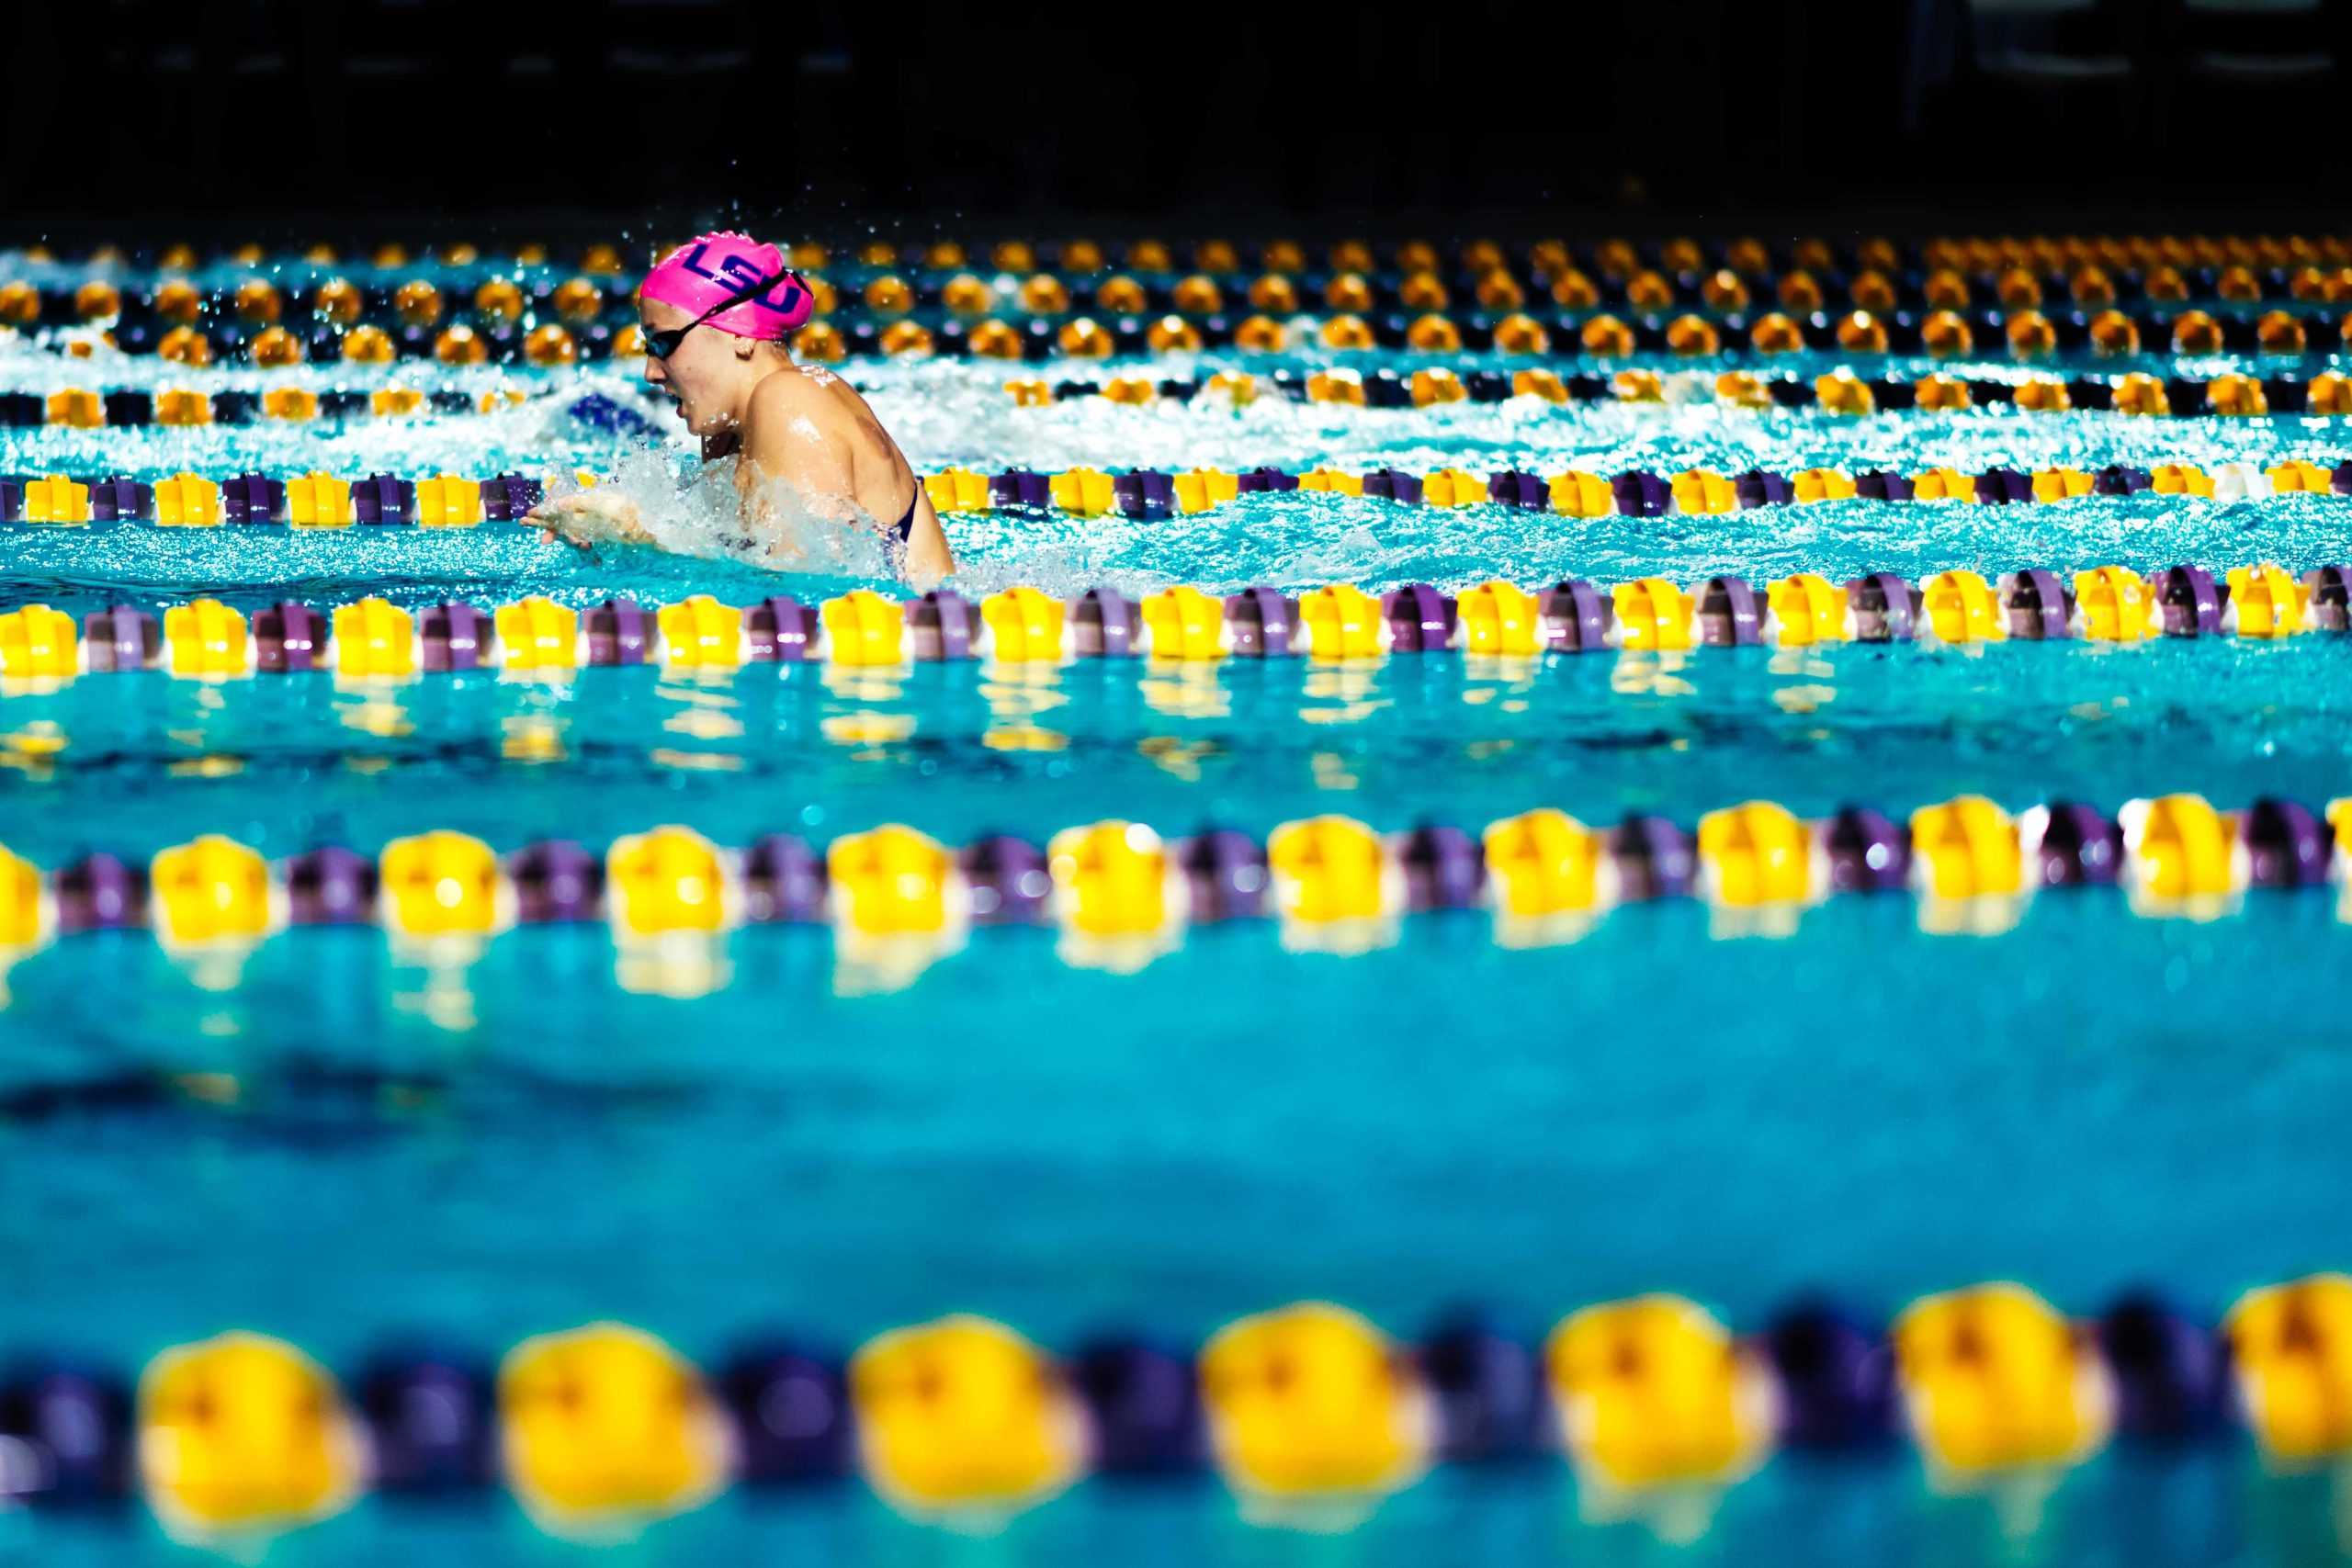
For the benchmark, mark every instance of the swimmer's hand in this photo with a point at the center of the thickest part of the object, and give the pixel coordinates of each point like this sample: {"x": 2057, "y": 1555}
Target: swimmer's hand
{"x": 592, "y": 517}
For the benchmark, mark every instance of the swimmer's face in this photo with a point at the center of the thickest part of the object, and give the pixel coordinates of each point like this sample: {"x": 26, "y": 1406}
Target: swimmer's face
{"x": 708, "y": 375}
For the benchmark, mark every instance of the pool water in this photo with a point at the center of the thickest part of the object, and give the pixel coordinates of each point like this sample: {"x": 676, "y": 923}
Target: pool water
{"x": 337, "y": 1142}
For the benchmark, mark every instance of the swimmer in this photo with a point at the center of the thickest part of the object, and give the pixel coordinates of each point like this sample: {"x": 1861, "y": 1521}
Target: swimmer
{"x": 715, "y": 314}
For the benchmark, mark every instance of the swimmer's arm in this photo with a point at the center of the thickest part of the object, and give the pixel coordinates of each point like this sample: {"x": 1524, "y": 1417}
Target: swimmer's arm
{"x": 589, "y": 517}
{"x": 928, "y": 557}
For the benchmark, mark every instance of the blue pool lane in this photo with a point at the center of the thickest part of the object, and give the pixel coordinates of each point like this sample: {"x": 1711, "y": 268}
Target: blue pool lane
{"x": 343, "y": 1142}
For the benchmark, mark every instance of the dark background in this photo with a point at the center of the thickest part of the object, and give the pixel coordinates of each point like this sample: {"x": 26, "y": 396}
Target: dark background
{"x": 476, "y": 119}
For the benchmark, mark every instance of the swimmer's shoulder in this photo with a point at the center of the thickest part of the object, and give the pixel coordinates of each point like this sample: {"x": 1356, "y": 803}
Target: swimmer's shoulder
{"x": 787, "y": 391}
{"x": 811, "y": 401}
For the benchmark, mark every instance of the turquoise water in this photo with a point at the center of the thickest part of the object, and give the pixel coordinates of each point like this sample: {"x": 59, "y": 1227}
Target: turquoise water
{"x": 2089, "y": 1100}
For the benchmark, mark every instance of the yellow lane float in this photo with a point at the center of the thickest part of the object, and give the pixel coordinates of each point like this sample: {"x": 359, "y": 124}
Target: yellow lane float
{"x": 1437, "y": 386}
{"x": 1966, "y": 848}
{"x": 2291, "y": 1350}
{"x": 1111, "y": 879}
{"x": 1452, "y": 487}
{"x": 1701, "y": 492}
{"x": 2060, "y": 484}
{"x": 2179, "y": 479}
{"x": 1756, "y": 855}
{"x": 1313, "y": 1401}
{"x": 1500, "y": 619}
{"x": 212, "y": 890}
{"x": 1343, "y": 621}
{"x": 892, "y": 881}
{"x": 1652, "y": 616}
{"x": 1812, "y": 485}
{"x": 1606, "y": 337}
{"x": 1331, "y": 871}
{"x": 2142, "y": 394}
{"x": 1580, "y": 494}
{"x": 1132, "y": 390}
{"x": 2295, "y": 476}
{"x": 1653, "y": 1392}
{"x": 700, "y": 633}
{"x": 538, "y": 635}
{"x": 1693, "y": 337}
{"x": 447, "y": 501}
{"x": 206, "y": 640}
{"x": 180, "y": 406}
{"x": 243, "y": 1433}
{"x": 963, "y": 1413}
{"x": 1544, "y": 863}
{"x": 605, "y": 1424}
{"x": 442, "y": 884}
{"x": 1638, "y": 387}
{"x": 38, "y": 643}
{"x": 1234, "y": 388}
{"x": 864, "y": 628}
{"x": 2115, "y": 335}
{"x": 78, "y": 407}
{"x": 24, "y": 903}
{"x": 1085, "y": 491}
{"x": 1942, "y": 485}
{"x": 2031, "y": 334}
{"x": 1959, "y": 608}
{"x": 186, "y": 501}
{"x": 374, "y": 639}
{"x": 668, "y": 880}
{"x": 2329, "y": 392}
{"x": 1945, "y": 334}
{"x": 318, "y": 501}
{"x": 1841, "y": 392}
{"x": 2177, "y": 849}
{"x": 1184, "y": 623}
{"x": 2115, "y": 604}
{"x": 1808, "y": 610}
{"x": 1548, "y": 877}
{"x": 1338, "y": 385}
{"x": 2043, "y": 394}
{"x": 56, "y": 499}
{"x": 1333, "y": 480}
{"x": 294, "y": 404}
{"x": 956, "y": 489}
{"x": 913, "y": 340}
{"x": 2235, "y": 396}
{"x": 1198, "y": 489}
{"x": 1025, "y": 626}
{"x": 1968, "y": 860}
{"x": 1742, "y": 389}
{"x": 1995, "y": 1380}
{"x": 2264, "y": 602}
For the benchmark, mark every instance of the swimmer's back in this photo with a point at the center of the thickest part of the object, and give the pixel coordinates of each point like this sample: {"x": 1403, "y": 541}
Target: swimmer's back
{"x": 811, "y": 404}
{"x": 816, "y": 404}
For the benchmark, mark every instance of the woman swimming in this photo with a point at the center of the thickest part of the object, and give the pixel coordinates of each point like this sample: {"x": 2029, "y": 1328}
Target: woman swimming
{"x": 736, "y": 386}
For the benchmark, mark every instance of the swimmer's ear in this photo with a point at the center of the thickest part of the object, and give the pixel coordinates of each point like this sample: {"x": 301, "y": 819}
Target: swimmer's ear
{"x": 745, "y": 348}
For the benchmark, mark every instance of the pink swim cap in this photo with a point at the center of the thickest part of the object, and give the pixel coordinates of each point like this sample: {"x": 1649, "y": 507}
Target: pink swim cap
{"x": 709, "y": 267}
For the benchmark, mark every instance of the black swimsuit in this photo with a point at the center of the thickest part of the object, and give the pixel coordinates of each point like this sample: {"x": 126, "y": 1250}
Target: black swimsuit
{"x": 895, "y": 541}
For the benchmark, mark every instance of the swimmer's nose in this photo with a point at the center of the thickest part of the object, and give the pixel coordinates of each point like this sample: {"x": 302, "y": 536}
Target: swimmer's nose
{"x": 653, "y": 372}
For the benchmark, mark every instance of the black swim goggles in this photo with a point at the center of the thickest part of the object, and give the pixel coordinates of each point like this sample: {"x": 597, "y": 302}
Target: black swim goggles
{"x": 663, "y": 343}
